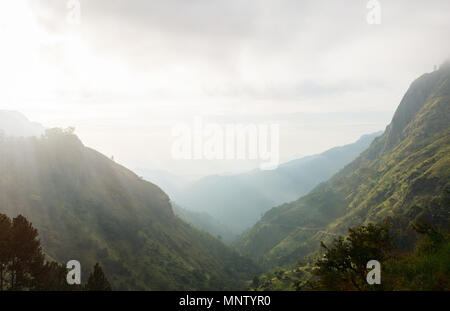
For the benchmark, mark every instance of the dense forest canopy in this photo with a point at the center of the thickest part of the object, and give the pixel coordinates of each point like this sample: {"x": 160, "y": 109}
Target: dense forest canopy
{"x": 91, "y": 209}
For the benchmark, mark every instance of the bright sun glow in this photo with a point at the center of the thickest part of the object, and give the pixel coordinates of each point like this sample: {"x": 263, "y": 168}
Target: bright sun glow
{"x": 127, "y": 72}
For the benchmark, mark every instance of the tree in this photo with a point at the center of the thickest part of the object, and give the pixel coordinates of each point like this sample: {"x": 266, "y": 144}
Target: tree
{"x": 51, "y": 276}
{"x": 255, "y": 282}
{"x": 427, "y": 267}
{"x": 97, "y": 280}
{"x": 27, "y": 256}
{"x": 22, "y": 264}
{"x": 344, "y": 264}
{"x": 5, "y": 251}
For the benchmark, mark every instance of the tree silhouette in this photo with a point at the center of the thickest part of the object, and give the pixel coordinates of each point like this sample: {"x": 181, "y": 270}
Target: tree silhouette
{"x": 27, "y": 256}
{"x": 22, "y": 264}
{"x": 343, "y": 266}
{"x": 5, "y": 251}
{"x": 51, "y": 276}
{"x": 97, "y": 280}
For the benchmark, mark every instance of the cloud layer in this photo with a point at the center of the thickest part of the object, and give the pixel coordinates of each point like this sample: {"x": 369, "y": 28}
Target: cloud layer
{"x": 129, "y": 63}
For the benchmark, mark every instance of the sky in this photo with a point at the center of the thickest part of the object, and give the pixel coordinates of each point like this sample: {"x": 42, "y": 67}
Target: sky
{"x": 125, "y": 72}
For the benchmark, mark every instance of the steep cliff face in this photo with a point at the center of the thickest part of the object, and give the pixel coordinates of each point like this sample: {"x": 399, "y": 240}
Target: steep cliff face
{"x": 404, "y": 174}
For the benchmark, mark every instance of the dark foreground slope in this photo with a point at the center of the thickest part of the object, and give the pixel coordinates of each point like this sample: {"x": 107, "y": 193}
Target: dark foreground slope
{"x": 404, "y": 175}
{"x": 88, "y": 208}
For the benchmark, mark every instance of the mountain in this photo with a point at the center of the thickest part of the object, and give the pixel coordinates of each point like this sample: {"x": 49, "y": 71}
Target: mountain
{"x": 238, "y": 201}
{"x": 206, "y": 222}
{"x": 13, "y": 123}
{"x": 403, "y": 176}
{"x": 88, "y": 208}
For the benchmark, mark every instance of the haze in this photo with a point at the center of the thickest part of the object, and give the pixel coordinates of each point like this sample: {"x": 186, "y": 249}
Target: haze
{"x": 130, "y": 70}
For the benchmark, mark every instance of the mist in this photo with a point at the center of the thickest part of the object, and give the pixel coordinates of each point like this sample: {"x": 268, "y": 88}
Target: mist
{"x": 125, "y": 72}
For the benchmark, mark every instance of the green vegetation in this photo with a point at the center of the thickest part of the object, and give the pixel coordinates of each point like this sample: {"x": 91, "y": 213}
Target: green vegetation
{"x": 206, "y": 222}
{"x": 90, "y": 209}
{"x": 21, "y": 257}
{"x": 404, "y": 176}
{"x": 97, "y": 280}
{"x": 283, "y": 278}
{"x": 343, "y": 264}
{"x": 427, "y": 268}
{"x": 23, "y": 265}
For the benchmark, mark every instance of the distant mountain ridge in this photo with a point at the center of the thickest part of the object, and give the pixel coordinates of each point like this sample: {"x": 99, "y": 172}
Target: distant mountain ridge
{"x": 239, "y": 200}
{"x": 404, "y": 176}
{"x": 15, "y": 124}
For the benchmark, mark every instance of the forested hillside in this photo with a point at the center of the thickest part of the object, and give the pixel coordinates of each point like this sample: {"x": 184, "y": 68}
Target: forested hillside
{"x": 403, "y": 176}
{"x": 206, "y": 222}
{"x": 88, "y": 208}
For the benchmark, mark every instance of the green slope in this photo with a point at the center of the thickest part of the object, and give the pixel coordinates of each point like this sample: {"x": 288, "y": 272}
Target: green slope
{"x": 404, "y": 174}
{"x": 88, "y": 208}
{"x": 206, "y": 222}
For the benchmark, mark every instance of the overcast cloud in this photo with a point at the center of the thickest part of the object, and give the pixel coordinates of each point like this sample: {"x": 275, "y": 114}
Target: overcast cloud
{"x": 132, "y": 68}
